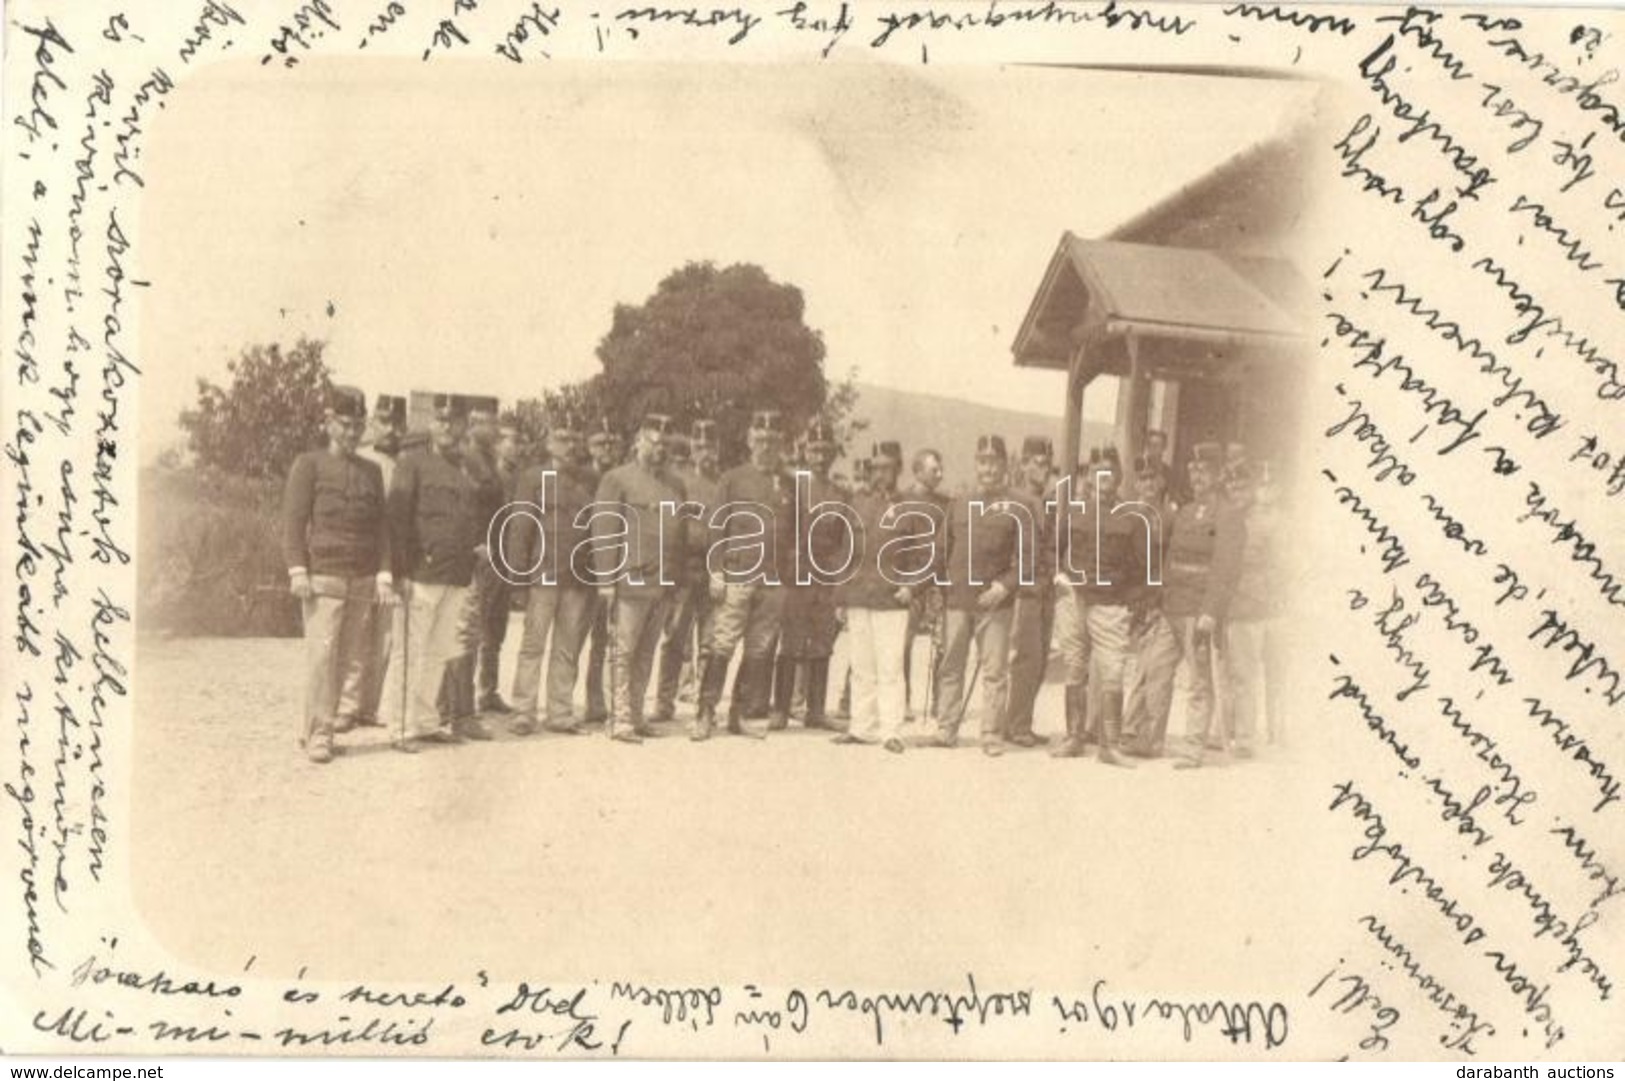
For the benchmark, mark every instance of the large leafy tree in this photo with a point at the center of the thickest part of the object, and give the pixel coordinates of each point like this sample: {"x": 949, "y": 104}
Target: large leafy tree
{"x": 271, "y": 411}
{"x": 713, "y": 342}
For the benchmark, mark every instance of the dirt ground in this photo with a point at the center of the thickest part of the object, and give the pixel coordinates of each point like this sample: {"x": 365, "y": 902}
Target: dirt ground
{"x": 581, "y": 858}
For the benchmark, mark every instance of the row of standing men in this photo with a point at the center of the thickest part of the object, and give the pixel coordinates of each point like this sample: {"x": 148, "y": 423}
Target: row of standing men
{"x": 405, "y": 608}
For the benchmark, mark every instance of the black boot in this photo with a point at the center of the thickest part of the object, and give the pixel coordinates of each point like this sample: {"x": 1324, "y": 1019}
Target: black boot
{"x": 713, "y": 673}
{"x": 1072, "y": 745}
{"x": 817, "y": 689}
{"x": 751, "y": 672}
{"x": 784, "y": 687}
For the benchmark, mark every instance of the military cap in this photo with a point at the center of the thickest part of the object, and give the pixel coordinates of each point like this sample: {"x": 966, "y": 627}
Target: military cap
{"x": 888, "y": 450}
{"x": 1239, "y": 473}
{"x": 450, "y": 407}
{"x": 602, "y": 432}
{"x": 819, "y": 435}
{"x": 658, "y": 423}
{"x": 347, "y": 402}
{"x": 1207, "y": 454}
{"x": 767, "y": 421}
{"x": 990, "y": 446}
{"x": 1035, "y": 446}
{"x": 563, "y": 422}
{"x": 704, "y": 434}
{"x": 390, "y": 408}
{"x": 482, "y": 405}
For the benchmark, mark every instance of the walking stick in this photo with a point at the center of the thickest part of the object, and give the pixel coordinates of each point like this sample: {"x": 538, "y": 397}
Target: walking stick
{"x": 612, "y": 658}
{"x": 406, "y": 666}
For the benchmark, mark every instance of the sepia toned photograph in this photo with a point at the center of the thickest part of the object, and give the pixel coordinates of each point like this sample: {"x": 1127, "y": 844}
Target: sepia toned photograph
{"x": 367, "y": 735}
{"x": 1024, "y": 531}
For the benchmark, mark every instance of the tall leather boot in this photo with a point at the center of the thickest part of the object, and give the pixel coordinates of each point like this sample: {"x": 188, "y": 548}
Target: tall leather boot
{"x": 784, "y": 686}
{"x": 1072, "y": 745}
{"x": 713, "y": 673}
{"x": 817, "y": 689}
{"x": 759, "y": 694}
{"x": 751, "y": 672}
{"x": 1111, "y": 729}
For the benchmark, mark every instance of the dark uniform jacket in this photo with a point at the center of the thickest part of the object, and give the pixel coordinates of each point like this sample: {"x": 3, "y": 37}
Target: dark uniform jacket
{"x": 703, "y": 490}
{"x": 822, "y": 543}
{"x": 771, "y": 496}
{"x": 333, "y": 519}
{"x": 549, "y": 535}
{"x": 880, "y": 570}
{"x": 996, "y": 543}
{"x": 1107, "y": 552}
{"x": 653, "y": 546}
{"x": 1203, "y": 558}
{"x": 435, "y": 523}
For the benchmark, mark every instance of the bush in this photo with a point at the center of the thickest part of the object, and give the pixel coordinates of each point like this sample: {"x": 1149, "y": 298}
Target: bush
{"x": 211, "y": 557}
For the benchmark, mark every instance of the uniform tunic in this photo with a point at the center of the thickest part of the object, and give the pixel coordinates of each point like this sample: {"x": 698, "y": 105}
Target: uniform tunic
{"x": 755, "y": 565}
{"x": 435, "y": 529}
{"x": 877, "y": 618}
{"x": 990, "y": 543}
{"x": 644, "y": 581}
{"x": 547, "y": 545}
{"x": 691, "y": 616}
{"x": 335, "y": 530}
{"x": 822, "y": 551}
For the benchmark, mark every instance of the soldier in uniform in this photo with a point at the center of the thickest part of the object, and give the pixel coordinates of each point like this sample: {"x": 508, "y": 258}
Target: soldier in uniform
{"x": 991, "y": 543}
{"x": 809, "y": 627}
{"x": 638, "y": 588}
{"x": 436, "y": 537}
{"x": 1104, "y": 548}
{"x": 747, "y": 586}
{"x": 604, "y": 452}
{"x": 1154, "y": 651}
{"x": 862, "y": 479}
{"x": 1033, "y": 618}
{"x": 691, "y": 617}
{"x": 1204, "y": 552}
{"x": 1252, "y": 606}
{"x": 925, "y": 610}
{"x": 364, "y": 683}
{"x": 335, "y": 538}
{"x": 550, "y": 557}
{"x": 876, "y": 601}
{"x": 492, "y": 462}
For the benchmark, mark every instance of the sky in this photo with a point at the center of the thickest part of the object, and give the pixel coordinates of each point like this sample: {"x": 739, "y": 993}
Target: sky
{"x": 473, "y": 232}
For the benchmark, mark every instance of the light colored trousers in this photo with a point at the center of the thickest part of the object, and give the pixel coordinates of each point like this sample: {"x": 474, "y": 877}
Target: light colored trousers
{"x": 1071, "y": 642}
{"x": 426, "y": 637}
{"x": 336, "y": 646}
{"x": 1196, "y": 680}
{"x": 875, "y": 643}
{"x": 364, "y": 683}
{"x": 991, "y": 632}
{"x": 1242, "y": 674}
{"x": 639, "y": 616}
{"x": 563, "y": 615}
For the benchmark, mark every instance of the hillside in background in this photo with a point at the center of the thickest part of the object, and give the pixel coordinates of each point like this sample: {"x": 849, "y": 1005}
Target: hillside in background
{"x": 952, "y": 426}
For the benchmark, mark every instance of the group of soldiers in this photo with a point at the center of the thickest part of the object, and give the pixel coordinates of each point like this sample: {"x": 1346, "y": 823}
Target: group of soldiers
{"x": 654, "y": 565}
